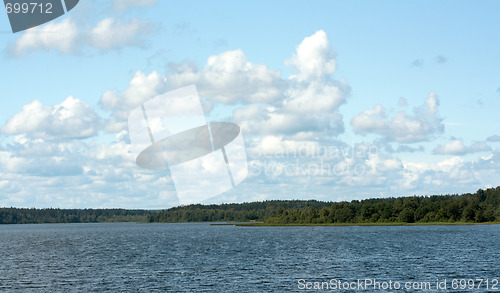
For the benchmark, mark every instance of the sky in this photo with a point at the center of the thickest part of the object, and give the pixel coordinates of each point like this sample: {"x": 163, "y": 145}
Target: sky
{"x": 336, "y": 100}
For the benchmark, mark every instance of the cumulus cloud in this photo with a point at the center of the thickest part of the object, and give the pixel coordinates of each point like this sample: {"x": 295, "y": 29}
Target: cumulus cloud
{"x": 229, "y": 77}
{"x": 112, "y": 34}
{"x": 402, "y": 148}
{"x": 60, "y": 36}
{"x": 489, "y": 163}
{"x": 377, "y": 163}
{"x": 78, "y": 173}
{"x": 314, "y": 58}
{"x": 142, "y": 88}
{"x": 67, "y": 37}
{"x": 420, "y": 126}
{"x": 290, "y": 122}
{"x": 310, "y": 109}
{"x": 312, "y": 99}
{"x": 453, "y": 173}
{"x": 285, "y": 113}
{"x": 72, "y": 118}
{"x": 361, "y": 166}
{"x": 278, "y": 146}
{"x": 304, "y": 104}
{"x": 129, "y": 4}
{"x": 457, "y": 147}
{"x": 300, "y": 114}
{"x": 409, "y": 149}
{"x": 41, "y": 157}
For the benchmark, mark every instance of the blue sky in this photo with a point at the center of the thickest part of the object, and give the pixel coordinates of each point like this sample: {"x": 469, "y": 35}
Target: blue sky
{"x": 414, "y": 83}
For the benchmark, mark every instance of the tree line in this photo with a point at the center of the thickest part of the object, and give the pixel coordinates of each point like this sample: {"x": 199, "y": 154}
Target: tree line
{"x": 38, "y": 216}
{"x": 479, "y": 207}
{"x": 482, "y": 206}
{"x": 233, "y": 212}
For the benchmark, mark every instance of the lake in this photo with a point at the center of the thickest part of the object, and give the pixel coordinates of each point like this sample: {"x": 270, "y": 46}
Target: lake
{"x": 129, "y": 257}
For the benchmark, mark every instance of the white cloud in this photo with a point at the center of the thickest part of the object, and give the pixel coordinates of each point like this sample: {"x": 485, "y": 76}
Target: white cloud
{"x": 305, "y": 111}
{"x": 376, "y": 163}
{"x": 304, "y": 105}
{"x": 314, "y": 58}
{"x": 229, "y": 77}
{"x": 489, "y": 162}
{"x": 291, "y": 122}
{"x": 454, "y": 147}
{"x": 457, "y": 147}
{"x": 451, "y": 174}
{"x": 67, "y": 37}
{"x": 111, "y": 34}
{"x": 259, "y": 121}
{"x": 39, "y": 157}
{"x": 72, "y": 118}
{"x": 277, "y": 146}
{"x": 420, "y": 126}
{"x": 279, "y": 162}
{"x": 128, "y": 4}
{"x": 77, "y": 173}
{"x": 142, "y": 88}
{"x": 59, "y": 36}
{"x": 317, "y": 97}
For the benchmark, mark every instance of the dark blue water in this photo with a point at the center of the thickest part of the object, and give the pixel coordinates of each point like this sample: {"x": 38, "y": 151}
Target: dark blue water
{"x": 128, "y": 257}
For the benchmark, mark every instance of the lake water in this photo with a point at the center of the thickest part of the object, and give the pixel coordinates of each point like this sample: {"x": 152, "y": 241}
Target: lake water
{"x": 128, "y": 257}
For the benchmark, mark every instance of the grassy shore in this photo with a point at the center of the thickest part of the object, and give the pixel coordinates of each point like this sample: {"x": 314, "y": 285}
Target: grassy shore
{"x": 363, "y": 224}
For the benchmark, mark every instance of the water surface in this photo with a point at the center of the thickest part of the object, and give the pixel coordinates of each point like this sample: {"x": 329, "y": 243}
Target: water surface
{"x": 131, "y": 257}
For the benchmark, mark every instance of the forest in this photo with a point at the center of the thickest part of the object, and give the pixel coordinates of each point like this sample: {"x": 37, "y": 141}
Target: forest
{"x": 480, "y": 207}
{"x": 38, "y": 216}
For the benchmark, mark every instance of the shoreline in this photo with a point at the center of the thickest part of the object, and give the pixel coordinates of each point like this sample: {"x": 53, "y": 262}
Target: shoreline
{"x": 257, "y": 224}
{"x": 361, "y": 224}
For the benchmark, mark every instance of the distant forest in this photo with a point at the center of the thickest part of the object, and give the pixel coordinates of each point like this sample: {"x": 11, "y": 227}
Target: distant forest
{"x": 480, "y": 207}
{"x": 38, "y": 216}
